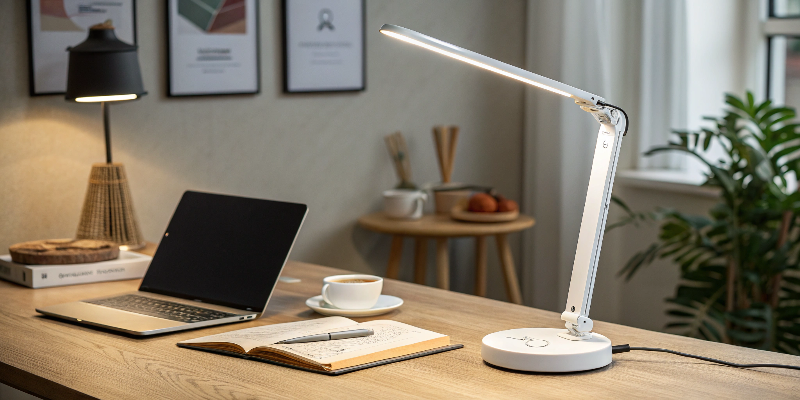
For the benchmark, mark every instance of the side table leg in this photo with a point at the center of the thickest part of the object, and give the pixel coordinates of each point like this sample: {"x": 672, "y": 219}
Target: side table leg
{"x": 395, "y": 252}
{"x": 442, "y": 264}
{"x": 507, "y": 261}
{"x": 420, "y": 259}
{"x": 480, "y": 266}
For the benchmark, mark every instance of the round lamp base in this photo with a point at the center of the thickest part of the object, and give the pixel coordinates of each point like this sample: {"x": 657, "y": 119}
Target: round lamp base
{"x": 543, "y": 350}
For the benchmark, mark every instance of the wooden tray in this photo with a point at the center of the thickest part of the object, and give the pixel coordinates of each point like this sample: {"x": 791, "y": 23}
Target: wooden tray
{"x": 460, "y": 213}
{"x": 63, "y": 251}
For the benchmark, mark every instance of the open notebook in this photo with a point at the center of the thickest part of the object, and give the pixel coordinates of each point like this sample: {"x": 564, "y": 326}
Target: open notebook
{"x": 392, "y": 341}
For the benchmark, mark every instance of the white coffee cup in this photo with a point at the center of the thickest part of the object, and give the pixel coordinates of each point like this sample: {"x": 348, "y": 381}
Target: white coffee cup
{"x": 352, "y": 292}
{"x": 404, "y": 203}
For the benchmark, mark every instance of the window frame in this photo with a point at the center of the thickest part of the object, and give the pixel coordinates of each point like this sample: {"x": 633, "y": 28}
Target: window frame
{"x": 776, "y": 26}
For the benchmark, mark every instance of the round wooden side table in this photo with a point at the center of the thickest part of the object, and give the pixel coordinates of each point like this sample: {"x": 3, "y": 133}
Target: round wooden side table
{"x": 442, "y": 228}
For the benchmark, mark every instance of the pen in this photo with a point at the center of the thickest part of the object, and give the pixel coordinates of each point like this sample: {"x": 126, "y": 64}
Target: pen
{"x": 329, "y": 336}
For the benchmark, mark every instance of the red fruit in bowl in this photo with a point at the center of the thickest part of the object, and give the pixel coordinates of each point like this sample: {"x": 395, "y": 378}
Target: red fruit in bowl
{"x": 506, "y": 205}
{"x": 482, "y": 202}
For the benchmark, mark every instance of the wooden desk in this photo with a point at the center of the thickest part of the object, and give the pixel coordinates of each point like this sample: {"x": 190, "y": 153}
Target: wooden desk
{"x": 442, "y": 228}
{"x": 55, "y": 359}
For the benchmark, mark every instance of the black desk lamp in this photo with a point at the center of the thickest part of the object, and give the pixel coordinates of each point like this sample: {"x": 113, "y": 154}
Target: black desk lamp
{"x": 103, "y": 69}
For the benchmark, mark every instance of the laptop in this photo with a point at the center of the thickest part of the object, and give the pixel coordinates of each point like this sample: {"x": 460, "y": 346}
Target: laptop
{"x": 217, "y": 263}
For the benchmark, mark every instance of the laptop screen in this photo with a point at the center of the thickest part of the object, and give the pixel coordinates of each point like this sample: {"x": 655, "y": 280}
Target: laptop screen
{"x": 224, "y": 250}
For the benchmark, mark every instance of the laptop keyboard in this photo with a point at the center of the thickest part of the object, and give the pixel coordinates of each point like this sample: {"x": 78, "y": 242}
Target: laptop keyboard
{"x": 160, "y": 308}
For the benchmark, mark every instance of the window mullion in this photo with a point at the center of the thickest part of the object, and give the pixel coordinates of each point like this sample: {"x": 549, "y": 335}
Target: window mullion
{"x": 782, "y": 26}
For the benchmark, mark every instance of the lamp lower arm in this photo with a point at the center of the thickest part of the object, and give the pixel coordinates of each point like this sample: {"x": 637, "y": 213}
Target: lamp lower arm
{"x": 595, "y": 212}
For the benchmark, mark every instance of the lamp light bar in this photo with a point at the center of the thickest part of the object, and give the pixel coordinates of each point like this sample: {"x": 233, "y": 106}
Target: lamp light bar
{"x": 479, "y": 60}
{"x": 117, "y": 97}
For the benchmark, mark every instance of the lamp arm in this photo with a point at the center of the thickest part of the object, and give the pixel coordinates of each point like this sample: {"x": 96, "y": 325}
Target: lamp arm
{"x": 595, "y": 211}
{"x": 581, "y": 97}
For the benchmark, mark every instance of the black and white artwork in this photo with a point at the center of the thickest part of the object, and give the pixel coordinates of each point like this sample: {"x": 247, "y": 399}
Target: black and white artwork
{"x": 323, "y": 45}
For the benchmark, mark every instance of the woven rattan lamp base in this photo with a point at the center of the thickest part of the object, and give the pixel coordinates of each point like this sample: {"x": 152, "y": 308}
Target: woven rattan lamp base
{"x": 108, "y": 208}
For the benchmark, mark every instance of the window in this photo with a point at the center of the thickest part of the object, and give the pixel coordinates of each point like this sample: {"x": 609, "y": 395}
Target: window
{"x": 783, "y": 36}
{"x": 693, "y": 52}
{"x": 718, "y": 46}
{"x": 782, "y": 27}
{"x": 785, "y": 8}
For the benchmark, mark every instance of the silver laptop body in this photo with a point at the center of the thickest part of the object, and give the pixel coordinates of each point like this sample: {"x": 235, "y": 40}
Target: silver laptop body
{"x": 138, "y": 323}
{"x": 217, "y": 263}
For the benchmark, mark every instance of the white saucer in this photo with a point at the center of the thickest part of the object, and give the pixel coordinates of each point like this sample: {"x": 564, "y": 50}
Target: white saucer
{"x": 384, "y": 305}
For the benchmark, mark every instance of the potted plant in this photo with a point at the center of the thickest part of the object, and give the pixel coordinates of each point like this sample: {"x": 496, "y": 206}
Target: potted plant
{"x": 740, "y": 279}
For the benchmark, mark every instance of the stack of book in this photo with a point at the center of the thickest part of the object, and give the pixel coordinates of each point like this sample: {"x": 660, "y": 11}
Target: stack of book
{"x": 128, "y": 265}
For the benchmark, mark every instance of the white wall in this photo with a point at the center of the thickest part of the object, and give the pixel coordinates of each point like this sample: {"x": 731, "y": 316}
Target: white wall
{"x": 325, "y": 150}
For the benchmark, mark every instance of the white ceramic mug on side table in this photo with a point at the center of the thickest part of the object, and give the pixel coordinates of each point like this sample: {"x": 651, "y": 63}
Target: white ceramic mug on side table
{"x": 404, "y": 203}
{"x": 352, "y": 292}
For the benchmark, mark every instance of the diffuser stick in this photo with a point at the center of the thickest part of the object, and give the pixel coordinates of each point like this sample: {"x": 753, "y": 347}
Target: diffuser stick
{"x": 452, "y": 140}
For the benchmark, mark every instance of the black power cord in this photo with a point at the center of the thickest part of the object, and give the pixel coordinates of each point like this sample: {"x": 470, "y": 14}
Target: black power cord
{"x": 627, "y": 122}
{"x": 624, "y": 348}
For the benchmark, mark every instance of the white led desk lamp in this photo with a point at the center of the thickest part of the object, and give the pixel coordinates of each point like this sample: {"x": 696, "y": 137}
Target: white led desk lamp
{"x": 545, "y": 349}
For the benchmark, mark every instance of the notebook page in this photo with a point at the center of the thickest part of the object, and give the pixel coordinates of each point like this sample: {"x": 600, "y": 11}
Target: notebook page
{"x": 268, "y": 334}
{"x": 388, "y": 335}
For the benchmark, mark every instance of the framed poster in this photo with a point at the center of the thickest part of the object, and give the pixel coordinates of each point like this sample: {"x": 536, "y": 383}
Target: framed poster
{"x": 54, "y": 25}
{"x": 323, "y": 46}
{"x": 212, "y": 47}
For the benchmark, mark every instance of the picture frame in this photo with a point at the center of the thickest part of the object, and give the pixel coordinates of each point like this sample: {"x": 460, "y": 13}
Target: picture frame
{"x": 324, "y": 46}
{"x": 55, "y": 25}
{"x": 213, "y": 48}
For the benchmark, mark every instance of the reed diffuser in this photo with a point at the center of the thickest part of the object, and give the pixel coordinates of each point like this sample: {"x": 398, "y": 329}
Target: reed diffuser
{"x": 447, "y": 194}
{"x": 446, "y": 138}
{"x": 398, "y": 151}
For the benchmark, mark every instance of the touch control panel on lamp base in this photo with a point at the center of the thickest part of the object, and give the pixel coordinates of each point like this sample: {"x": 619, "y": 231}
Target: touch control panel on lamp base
{"x": 575, "y": 348}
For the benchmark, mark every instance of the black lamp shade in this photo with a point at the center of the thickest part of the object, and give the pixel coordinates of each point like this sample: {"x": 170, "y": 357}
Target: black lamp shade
{"x": 103, "y": 66}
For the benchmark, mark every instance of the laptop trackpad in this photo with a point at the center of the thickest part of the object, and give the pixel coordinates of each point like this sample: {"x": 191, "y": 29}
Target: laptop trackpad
{"x": 108, "y": 317}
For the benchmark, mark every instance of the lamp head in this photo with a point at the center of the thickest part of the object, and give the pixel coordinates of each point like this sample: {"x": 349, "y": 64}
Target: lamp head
{"x": 407, "y": 35}
{"x": 103, "y": 68}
